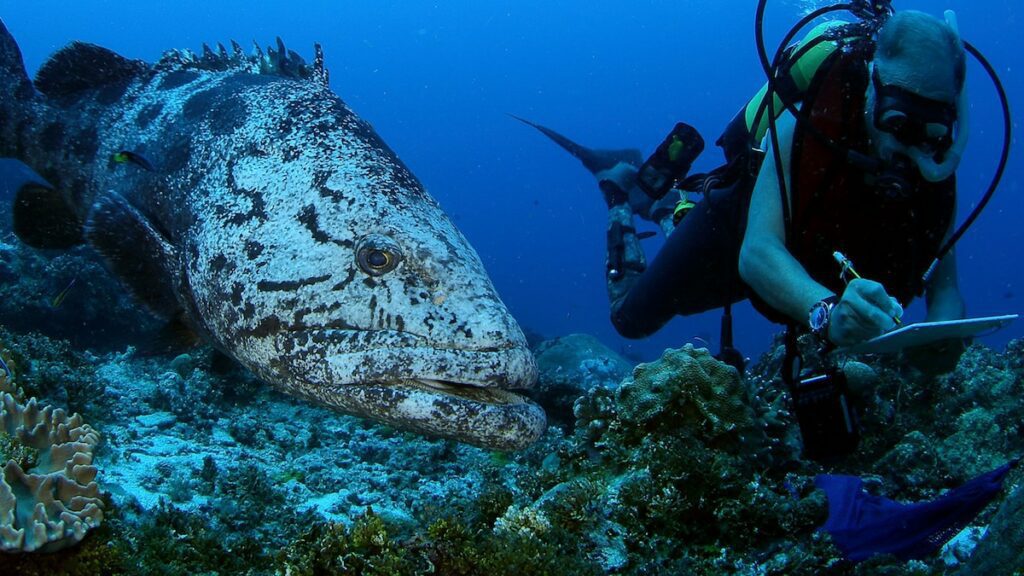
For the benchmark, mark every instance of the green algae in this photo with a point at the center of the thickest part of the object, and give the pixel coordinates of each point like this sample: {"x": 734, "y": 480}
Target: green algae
{"x": 447, "y": 546}
{"x": 11, "y": 448}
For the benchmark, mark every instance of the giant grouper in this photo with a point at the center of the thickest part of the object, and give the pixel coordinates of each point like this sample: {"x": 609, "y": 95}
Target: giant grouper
{"x": 237, "y": 196}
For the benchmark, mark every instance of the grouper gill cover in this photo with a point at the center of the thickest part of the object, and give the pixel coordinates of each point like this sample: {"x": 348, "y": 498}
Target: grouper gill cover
{"x": 257, "y": 210}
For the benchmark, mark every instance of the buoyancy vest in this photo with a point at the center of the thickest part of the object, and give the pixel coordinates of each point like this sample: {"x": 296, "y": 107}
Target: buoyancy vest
{"x": 803, "y": 60}
{"x": 891, "y": 239}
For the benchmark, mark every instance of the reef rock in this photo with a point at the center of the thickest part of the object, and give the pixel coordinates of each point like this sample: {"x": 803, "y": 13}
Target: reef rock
{"x": 678, "y": 445}
{"x": 49, "y": 497}
{"x": 569, "y": 367}
{"x": 1001, "y": 551}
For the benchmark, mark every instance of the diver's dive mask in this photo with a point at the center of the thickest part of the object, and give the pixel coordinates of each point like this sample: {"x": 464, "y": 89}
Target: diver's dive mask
{"x": 914, "y": 120}
{"x": 930, "y": 132}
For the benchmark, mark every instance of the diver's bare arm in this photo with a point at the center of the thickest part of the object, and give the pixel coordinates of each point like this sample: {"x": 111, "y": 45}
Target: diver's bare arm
{"x": 942, "y": 294}
{"x": 765, "y": 263}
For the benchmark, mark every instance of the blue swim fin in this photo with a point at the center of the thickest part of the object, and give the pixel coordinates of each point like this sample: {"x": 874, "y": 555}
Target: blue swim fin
{"x": 863, "y": 525}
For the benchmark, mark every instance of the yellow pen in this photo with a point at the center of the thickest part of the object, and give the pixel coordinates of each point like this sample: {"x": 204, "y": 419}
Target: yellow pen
{"x": 847, "y": 267}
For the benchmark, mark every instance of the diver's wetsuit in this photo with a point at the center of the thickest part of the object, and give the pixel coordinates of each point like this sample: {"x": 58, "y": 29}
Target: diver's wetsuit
{"x": 892, "y": 238}
{"x": 696, "y": 270}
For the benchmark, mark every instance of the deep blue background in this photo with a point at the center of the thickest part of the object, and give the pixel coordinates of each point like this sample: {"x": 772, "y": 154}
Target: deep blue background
{"x": 436, "y": 79}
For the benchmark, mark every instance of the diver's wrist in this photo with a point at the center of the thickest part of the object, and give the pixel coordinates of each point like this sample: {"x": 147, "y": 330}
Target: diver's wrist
{"x": 819, "y": 318}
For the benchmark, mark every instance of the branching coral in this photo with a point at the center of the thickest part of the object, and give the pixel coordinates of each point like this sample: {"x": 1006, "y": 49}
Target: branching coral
{"x": 49, "y": 497}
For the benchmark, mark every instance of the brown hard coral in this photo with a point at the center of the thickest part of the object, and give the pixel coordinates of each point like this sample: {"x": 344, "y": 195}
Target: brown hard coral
{"x": 49, "y": 497}
{"x": 687, "y": 388}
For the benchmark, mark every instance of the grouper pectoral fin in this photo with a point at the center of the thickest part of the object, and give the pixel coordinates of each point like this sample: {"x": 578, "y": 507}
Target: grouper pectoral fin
{"x": 593, "y": 160}
{"x": 44, "y": 216}
{"x": 13, "y": 175}
{"x": 137, "y": 252}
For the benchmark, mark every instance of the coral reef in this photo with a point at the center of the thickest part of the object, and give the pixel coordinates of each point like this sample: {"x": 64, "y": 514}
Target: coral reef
{"x": 682, "y": 468}
{"x": 70, "y": 296}
{"x": 682, "y": 478}
{"x": 56, "y": 373}
{"x": 49, "y": 497}
{"x": 687, "y": 388}
{"x": 1001, "y": 550}
{"x": 674, "y": 462}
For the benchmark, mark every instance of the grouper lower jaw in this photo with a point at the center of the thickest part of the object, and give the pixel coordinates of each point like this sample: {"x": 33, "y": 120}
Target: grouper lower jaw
{"x": 486, "y": 417}
{"x": 457, "y": 393}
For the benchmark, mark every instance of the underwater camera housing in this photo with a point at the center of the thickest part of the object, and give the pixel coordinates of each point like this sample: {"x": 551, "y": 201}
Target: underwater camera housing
{"x": 671, "y": 161}
{"x": 829, "y": 427}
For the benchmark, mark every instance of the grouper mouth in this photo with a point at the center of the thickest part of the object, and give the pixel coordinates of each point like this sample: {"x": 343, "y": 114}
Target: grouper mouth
{"x": 452, "y": 391}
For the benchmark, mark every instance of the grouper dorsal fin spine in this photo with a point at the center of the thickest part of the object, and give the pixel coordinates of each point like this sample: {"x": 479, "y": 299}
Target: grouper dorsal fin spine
{"x": 82, "y": 66}
{"x": 279, "y": 61}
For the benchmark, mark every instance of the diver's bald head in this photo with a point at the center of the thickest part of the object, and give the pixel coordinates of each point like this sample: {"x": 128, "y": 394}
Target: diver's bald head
{"x": 921, "y": 53}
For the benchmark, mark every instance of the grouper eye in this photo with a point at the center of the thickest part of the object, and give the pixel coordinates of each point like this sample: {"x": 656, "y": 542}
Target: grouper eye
{"x": 377, "y": 255}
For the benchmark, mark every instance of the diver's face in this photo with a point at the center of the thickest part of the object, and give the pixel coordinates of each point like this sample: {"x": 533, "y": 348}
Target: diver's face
{"x": 912, "y": 119}
{"x": 902, "y": 120}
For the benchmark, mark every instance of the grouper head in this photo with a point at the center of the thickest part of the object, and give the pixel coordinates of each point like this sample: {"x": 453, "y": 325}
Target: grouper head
{"x": 263, "y": 214}
{"x": 317, "y": 260}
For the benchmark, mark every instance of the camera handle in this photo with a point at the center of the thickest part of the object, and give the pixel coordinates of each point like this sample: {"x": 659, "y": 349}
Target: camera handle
{"x": 829, "y": 427}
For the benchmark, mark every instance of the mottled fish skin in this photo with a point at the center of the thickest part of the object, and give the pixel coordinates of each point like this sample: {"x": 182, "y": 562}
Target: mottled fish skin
{"x": 266, "y": 191}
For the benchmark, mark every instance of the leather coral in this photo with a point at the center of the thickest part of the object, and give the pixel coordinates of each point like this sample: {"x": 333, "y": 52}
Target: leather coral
{"x": 49, "y": 497}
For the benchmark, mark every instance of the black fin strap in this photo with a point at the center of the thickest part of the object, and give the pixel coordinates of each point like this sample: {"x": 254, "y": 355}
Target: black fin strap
{"x": 613, "y": 194}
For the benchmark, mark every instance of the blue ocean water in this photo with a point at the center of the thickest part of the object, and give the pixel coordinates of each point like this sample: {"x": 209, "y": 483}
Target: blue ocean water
{"x": 436, "y": 79}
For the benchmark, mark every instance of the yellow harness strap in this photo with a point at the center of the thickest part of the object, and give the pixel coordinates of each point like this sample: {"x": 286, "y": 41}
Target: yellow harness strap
{"x": 801, "y": 72}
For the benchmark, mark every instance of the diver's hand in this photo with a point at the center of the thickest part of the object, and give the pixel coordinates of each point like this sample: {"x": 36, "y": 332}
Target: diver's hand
{"x": 937, "y": 357}
{"x": 866, "y": 310}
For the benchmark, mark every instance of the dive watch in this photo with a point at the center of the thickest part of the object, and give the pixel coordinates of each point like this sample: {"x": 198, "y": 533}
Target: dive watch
{"x": 820, "y": 317}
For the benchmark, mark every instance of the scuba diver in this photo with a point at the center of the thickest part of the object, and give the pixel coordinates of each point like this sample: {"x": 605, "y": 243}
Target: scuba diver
{"x": 863, "y": 126}
{"x": 894, "y": 105}
{"x": 862, "y": 171}
{"x": 896, "y": 100}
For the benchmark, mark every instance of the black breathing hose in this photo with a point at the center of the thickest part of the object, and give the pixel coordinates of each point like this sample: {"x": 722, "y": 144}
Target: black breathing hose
{"x": 872, "y": 14}
{"x": 1003, "y": 157}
